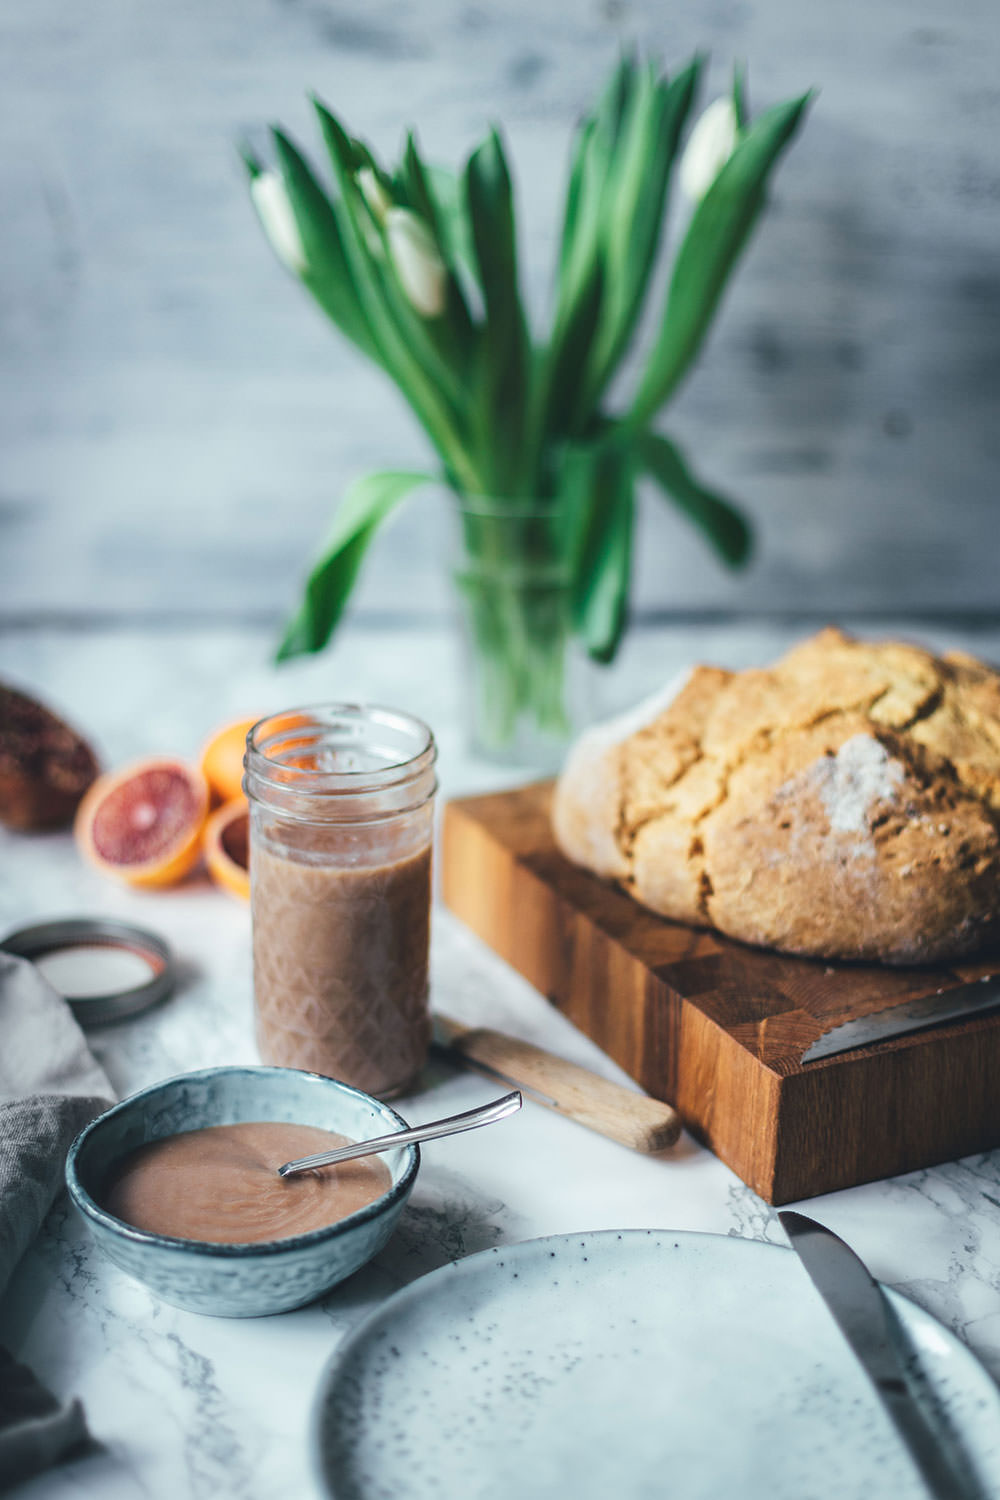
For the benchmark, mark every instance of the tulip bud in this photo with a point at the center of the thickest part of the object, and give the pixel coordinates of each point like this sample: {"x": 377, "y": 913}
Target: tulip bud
{"x": 374, "y": 194}
{"x": 710, "y": 145}
{"x": 421, "y": 271}
{"x": 278, "y": 218}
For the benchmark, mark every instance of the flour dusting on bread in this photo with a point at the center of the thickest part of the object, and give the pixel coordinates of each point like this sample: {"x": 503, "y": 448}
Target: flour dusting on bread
{"x": 857, "y": 779}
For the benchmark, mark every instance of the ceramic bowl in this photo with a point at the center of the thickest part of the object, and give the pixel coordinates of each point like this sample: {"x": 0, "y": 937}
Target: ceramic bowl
{"x": 239, "y": 1281}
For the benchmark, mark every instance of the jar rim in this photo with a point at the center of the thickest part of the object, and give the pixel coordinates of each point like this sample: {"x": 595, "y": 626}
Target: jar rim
{"x": 287, "y": 727}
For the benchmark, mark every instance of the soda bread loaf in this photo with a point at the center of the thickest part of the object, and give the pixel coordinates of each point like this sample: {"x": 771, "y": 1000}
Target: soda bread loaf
{"x": 844, "y": 803}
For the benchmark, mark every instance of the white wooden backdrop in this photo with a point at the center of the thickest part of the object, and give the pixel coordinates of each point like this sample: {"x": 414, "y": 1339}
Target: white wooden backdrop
{"x": 176, "y": 422}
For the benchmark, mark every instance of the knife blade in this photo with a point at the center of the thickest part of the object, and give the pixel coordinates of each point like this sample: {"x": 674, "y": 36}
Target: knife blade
{"x": 973, "y": 999}
{"x": 634, "y": 1119}
{"x": 863, "y": 1316}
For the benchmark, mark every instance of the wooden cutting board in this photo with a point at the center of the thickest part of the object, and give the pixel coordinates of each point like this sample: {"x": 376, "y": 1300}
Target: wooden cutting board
{"x": 718, "y": 1029}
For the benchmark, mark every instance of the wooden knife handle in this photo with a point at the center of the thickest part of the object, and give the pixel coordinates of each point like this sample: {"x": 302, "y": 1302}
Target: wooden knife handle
{"x": 632, "y": 1118}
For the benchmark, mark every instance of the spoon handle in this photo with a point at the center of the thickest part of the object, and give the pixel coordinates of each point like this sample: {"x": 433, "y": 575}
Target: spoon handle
{"x": 484, "y": 1115}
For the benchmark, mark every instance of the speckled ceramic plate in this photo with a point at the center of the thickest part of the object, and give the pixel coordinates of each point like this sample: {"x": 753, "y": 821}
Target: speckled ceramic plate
{"x": 641, "y": 1363}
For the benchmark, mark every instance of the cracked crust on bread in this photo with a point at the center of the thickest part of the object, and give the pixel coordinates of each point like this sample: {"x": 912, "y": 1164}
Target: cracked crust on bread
{"x": 844, "y": 803}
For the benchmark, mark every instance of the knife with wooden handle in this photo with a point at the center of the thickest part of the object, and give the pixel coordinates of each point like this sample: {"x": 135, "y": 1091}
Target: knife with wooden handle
{"x": 632, "y": 1118}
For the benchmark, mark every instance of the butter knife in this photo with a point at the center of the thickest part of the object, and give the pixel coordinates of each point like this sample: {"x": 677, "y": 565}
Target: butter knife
{"x": 632, "y": 1118}
{"x": 973, "y": 999}
{"x": 863, "y": 1316}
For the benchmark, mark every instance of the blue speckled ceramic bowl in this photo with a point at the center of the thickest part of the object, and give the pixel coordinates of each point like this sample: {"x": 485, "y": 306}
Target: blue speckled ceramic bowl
{"x": 239, "y": 1281}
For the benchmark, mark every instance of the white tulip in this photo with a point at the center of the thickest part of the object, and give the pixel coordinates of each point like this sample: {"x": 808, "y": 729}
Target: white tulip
{"x": 710, "y": 145}
{"x": 374, "y": 194}
{"x": 421, "y": 271}
{"x": 278, "y": 218}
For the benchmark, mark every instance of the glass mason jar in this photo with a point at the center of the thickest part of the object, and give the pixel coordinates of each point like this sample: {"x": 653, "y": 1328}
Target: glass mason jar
{"x": 529, "y": 680}
{"x": 341, "y": 828}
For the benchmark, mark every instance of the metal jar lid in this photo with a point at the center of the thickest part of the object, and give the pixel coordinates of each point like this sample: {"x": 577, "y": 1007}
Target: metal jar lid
{"x": 101, "y": 1002}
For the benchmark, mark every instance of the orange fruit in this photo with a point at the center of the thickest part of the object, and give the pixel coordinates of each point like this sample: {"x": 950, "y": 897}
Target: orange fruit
{"x": 226, "y": 842}
{"x": 222, "y": 759}
{"x": 143, "y": 824}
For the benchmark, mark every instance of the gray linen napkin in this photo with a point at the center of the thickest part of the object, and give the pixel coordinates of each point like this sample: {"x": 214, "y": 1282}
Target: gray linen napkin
{"x": 50, "y": 1086}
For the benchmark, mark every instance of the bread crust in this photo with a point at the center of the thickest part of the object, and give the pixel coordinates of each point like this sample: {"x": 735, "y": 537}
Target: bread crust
{"x": 844, "y": 803}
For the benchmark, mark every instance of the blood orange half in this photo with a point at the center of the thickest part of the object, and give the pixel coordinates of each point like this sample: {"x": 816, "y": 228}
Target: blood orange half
{"x": 143, "y": 824}
{"x": 227, "y": 847}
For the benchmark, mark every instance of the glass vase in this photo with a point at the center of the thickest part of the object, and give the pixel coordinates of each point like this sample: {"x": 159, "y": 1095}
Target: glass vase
{"x": 527, "y": 688}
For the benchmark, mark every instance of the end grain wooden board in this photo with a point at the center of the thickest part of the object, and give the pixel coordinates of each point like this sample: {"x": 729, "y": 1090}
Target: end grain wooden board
{"x": 716, "y": 1028}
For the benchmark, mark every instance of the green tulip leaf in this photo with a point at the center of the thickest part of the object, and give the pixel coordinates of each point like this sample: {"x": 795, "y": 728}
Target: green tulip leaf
{"x": 420, "y": 196}
{"x": 717, "y": 233}
{"x": 326, "y": 274}
{"x": 727, "y": 530}
{"x": 634, "y": 217}
{"x": 566, "y": 358}
{"x": 740, "y": 105}
{"x": 605, "y": 119}
{"x": 249, "y": 159}
{"x": 365, "y": 506}
{"x": 447, "y": 189}
{"x": 414, "y": 179}
{"x": 416, "y": 343}
{"x": 600, "y": 484}
{"x": 584, "y": 241}
{"x": 574, "y": 186}
{"x": 505, "y": 352}
{"x": 411, "y": 358}
{"x": 581, "y": 275}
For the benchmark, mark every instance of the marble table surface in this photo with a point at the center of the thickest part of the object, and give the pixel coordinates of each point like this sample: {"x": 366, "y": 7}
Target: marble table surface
{"x": 183, "y": 1405}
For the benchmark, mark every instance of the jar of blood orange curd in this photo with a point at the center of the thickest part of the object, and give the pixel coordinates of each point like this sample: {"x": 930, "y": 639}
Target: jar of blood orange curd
{"x": 341, "y": 831}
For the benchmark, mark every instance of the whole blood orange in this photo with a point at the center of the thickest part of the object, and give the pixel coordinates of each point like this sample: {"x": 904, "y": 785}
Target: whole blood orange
{"x": 226, "y": 843}
{"x": 222, "y": 759}
{"x": 143, "y": 824}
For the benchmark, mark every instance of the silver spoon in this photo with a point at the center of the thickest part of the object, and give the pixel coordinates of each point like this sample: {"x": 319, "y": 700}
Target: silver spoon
{"x": 451, "y": 1125}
